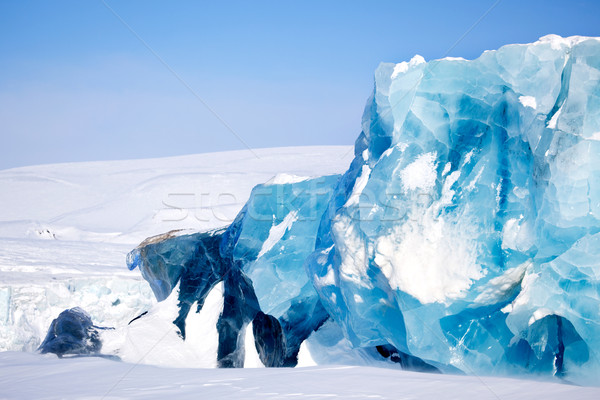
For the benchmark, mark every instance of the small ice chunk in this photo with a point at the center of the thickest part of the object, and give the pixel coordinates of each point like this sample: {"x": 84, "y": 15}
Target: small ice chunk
{"x": 528, "y": 101}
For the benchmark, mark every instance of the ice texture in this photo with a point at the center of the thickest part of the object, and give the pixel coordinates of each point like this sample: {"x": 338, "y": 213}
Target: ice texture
{"x": 466, "y": 229}
{"x": 465, "y": 234}
{"x": 73, "y": 333}
{"x": 260, "y": 259}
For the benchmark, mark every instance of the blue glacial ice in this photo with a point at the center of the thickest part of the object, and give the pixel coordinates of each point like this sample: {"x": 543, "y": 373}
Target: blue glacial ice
{"x": 260, "y": 259}
{"x": 72, "y": 333}
{"x": 465, "y": 234}
{"x": 471, "y": 211}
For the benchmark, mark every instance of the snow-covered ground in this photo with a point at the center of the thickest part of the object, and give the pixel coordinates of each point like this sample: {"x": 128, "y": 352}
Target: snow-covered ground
{"x": 31, "y": 376}
{"x": 65, "y": 229}
{"x": 127, "y": 201}
{"x": 64, "y": 232}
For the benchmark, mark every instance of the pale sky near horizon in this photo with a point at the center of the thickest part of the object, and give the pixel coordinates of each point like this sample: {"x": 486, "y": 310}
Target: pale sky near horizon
{"x": 99, "y": 80}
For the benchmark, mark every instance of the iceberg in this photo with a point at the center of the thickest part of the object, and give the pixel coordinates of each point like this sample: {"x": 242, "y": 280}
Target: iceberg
{"x": 465, "y": 234}
{"x": 464, "y": 230}
{"x": 260, "y": 260}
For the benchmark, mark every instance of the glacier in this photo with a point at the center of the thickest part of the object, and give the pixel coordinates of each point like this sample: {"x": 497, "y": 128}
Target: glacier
{"x": 464, "y": 236}
{"x": 260, "y": 260}
{"x": 464, "y": 232}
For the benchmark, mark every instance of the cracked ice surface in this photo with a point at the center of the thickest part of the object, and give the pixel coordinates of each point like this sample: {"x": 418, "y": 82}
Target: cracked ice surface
{"x": 465, "y": 233}
{"x": 477, "y": 223}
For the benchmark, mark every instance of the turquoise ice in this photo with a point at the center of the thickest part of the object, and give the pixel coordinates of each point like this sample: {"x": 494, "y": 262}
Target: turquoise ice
{"x": 465, "y": 234}
{"x": 467, "y": 230}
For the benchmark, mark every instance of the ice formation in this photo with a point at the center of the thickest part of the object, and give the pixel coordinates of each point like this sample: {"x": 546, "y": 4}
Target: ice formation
{"x": 466, "y": 230}
{"x": 465, "y": 234}
{"x": 260, "y": 259}
{"x": 72, "y": 332}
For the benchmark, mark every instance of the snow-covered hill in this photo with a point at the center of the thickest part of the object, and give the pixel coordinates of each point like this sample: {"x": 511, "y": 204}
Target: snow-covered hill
{"x": 127, "y": 201}
{"x": 65, "y": 230}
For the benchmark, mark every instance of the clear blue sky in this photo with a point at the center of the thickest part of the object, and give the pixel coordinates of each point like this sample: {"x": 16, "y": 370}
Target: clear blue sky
{"x": 76, "y": 84}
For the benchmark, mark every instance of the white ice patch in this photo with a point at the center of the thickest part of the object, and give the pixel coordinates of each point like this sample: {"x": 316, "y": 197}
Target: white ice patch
{"x": 468, "y": 157}
{"x": 539, "y": 314}
{"x": 554, "y": 120}
{"x": 429, "y": 259}
{"x": 359, "y": 186}
{"x": 517, "y": 234}
{"x": 472, "y": 184}
{"x": 528, "y": 101}
{"x": 251, "y": 357}
{"x": 352, "y": 250}
{"x": 283, "y": 178}
{"x": 420, "y": 174}
{"x": 447, "y": 168}
{"x": 498, "y": 198}
{"x": 499, "y": 287}
{"x": 327, "y": 280}
{"x": 305, "y": 358}
{"x": 154, "y": 339}
{"x": 527, "y": 283}
{"x": 323, "y": 257}
{"x": 400, "y": 146}
{"x": 556, "y": 42}
{"x": 453, "y": 59}
{"x": 595, "y": 136}
{"x": 520, "y": 192}
{"x": 365, "y": 155}
{"x": 404, "y": 66}
{"x": 447, "y": 192}
{"x": 277, "y": 231}
{"x": 507, "y": 309}
{"x": 388, "y": 152}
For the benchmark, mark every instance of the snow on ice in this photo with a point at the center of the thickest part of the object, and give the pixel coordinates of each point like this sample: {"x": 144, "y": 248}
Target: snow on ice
{"x": 463, "y": 238}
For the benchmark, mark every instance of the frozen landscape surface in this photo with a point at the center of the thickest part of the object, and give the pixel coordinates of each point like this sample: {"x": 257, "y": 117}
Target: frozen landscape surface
{"x": 41, "y": 276}
{"x": 65, "y": 229}
{"x": 463, "y": 238}
{"x": 32, "y": 376}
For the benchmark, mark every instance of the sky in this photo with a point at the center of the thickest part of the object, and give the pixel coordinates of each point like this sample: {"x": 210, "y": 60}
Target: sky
{"x": 87, "y": 80}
